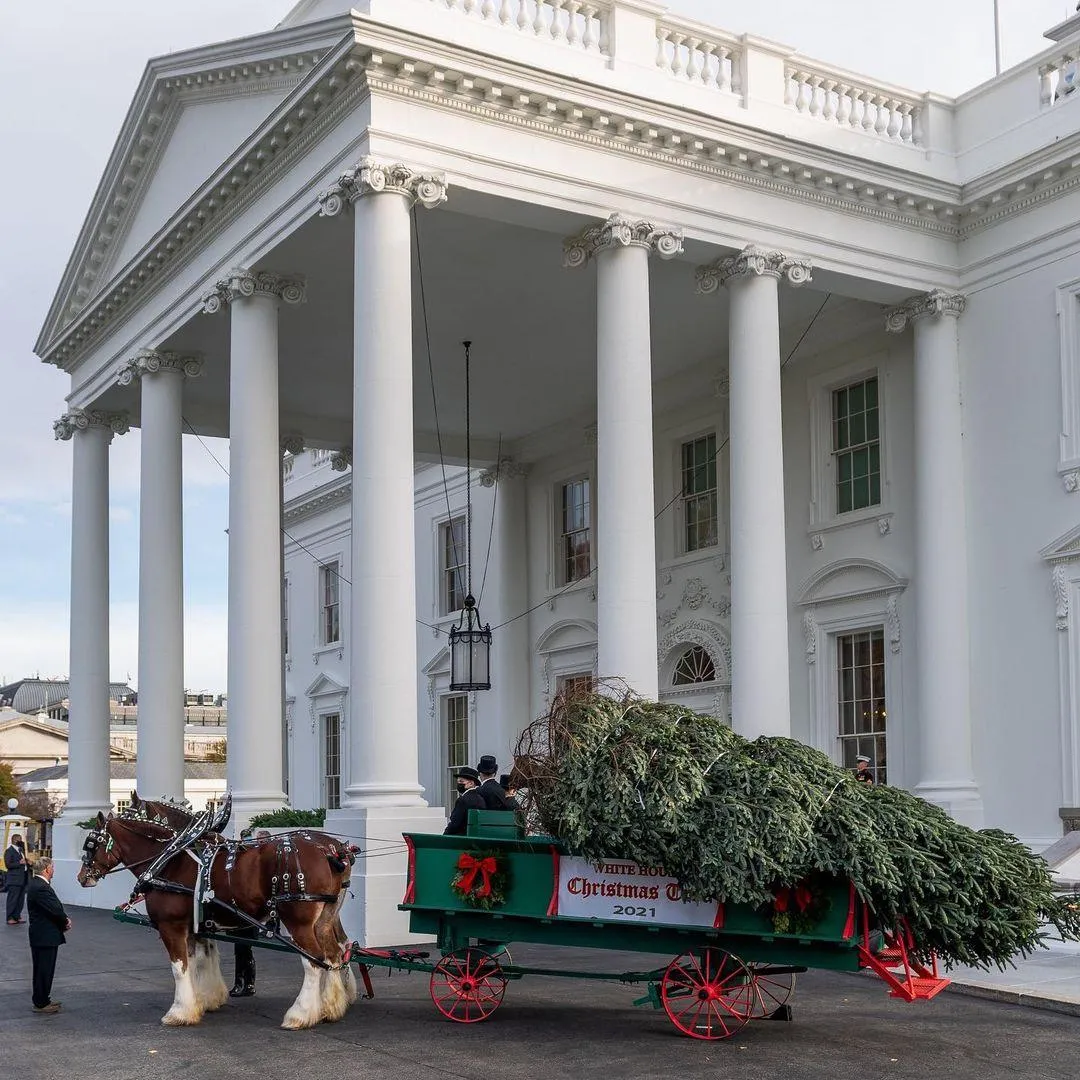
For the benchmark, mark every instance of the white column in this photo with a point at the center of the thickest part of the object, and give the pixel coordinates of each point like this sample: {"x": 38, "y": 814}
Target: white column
{"x": 290, "y": 444}
{"x": 760, "y": 691}
{"x": 160, "y": 768}
{"x": 91, "y": 431}
{"x": 943, "y": 708}
{"x": 254, "y": 635}
{"x": 510, "y": 652}
{"x": 625, "y": 527}
{"x": 382, "y": 796}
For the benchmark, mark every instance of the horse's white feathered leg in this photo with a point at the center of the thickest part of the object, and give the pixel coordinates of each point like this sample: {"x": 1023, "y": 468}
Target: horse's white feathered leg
{"x": 306, "y": 1010}
{"x": 185, "y": 1007}
{"x": 209, "y": 985}
{"x": 348, "y": 982}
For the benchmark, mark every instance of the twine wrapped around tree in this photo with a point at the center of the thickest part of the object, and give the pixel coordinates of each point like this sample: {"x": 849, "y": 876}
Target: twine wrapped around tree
{"x": 736, "y": 820}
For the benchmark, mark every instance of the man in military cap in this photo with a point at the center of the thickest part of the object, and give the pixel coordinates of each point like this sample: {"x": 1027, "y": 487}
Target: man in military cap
{"x": 862, "y": 770}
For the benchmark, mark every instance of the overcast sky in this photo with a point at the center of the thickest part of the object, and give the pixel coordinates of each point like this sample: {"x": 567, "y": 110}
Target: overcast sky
{"x": 70, "y": 68}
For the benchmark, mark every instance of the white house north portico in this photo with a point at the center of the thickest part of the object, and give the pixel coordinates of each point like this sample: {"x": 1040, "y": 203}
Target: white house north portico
{"x": 831, "y": 512}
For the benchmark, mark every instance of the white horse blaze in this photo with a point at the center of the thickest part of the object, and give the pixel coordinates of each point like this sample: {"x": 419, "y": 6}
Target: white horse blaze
{"x": 306, "y": 1010}
{"x": 185, "y": 1007}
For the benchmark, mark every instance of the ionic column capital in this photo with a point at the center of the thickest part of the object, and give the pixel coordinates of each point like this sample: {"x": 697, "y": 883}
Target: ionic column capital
{"x": 241, "y": 284}
{"x": 621, "y": 232}
{"x": 151, "y": 361}
{"x": 115, "y": 423}
{"x": 292, "y": 444}
{"x": 340, "y": 460}
{"x": 372, "y": 177}
{"x": 506, "y": 469}
{"x": 936, "y": 302}
{"x": 752, "y": 261}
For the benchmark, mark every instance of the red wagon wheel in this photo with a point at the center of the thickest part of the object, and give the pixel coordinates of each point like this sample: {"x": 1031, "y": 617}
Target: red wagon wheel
{"x": 467, "y": 986}
{"x": 771, "y": 990}
{"x": 707, "y": 993}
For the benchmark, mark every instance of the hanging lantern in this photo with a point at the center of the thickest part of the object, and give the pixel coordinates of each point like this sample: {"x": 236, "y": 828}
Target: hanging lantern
{"x": 470, "y": 651}
{"x": 470, "y": 642}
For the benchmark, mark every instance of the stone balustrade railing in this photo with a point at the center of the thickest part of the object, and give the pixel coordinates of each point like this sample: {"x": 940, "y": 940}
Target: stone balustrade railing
{"x": 848, "y": 101}
{"x": 700, "y": 55}
{"x": 579, "y": 24}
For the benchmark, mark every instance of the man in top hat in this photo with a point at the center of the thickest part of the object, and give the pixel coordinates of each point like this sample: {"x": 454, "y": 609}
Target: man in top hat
{"x": 862, "y": 770}
{"x": 468, "y": 785}
{"x": 15, "y": 864}
{"x": 490, "y": 788}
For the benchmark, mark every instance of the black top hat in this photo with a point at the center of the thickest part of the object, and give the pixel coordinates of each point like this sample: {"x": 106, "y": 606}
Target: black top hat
{"x": 488, "y": 765}
{"x": 469, "y": 774}
{"x": 504, "y": 781}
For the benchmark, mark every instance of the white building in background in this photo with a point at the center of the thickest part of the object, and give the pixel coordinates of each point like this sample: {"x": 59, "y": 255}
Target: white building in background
{"x": 672, "y": 246}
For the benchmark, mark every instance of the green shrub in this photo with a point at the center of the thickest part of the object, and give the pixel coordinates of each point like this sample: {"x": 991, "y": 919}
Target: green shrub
{"x": 288, "y": 818}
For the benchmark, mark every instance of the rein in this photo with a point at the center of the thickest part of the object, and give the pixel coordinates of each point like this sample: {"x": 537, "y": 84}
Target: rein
{"x": 126, "y": 865}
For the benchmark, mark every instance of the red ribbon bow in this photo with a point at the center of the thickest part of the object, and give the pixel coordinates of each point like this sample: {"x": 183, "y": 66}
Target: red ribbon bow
{"x": 470, "y": 867}
{"x": 800, "y": 897}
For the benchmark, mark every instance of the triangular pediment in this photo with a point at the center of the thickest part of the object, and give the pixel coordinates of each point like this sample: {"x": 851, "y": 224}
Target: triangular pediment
{"x": 324, "y": 686}
{"x": 1065, "y": 548}
{"x": 439, "y": 664}
{"x": 191, "y": 112}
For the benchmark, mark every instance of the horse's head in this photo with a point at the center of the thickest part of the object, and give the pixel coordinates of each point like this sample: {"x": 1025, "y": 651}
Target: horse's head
{"x": 100, "y": 853}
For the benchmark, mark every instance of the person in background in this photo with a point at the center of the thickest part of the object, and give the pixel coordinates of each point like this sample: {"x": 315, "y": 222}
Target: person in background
{"x": 490, "y": 788}
{"x": 244, "y": 955}
{"x": 469, "y": 798}
{"x": 17, "y": 871}
{"x": 48, "y": 922}
{"x": 862, "y": 770}
{"x": 506, "y": 782}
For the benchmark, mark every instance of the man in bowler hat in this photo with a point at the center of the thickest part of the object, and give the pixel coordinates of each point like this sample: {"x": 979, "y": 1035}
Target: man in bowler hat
{"x": 48, "y": 921}
{"x": 490, "y": 788}
{"x": 469, "y": 798}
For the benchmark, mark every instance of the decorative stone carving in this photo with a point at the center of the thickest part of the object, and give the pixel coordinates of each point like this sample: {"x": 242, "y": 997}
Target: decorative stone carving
{"x": 752, "y": 261}
{"x": 619, "y": 231}
{"x": 1059, "y": 584}
{"x": 935, "y": 302}
{"x": 809, "y": 627}
{"x": 721, "y": 385}
{"x": 150, "y": 361}
{"x": 241, "y": 284}
{"x": 706, "y": 634}
{"x": 884, "y": 526}
{"x": 696, "y": 597}
{"x": 665, "y": 579}
{"x": 1070, "y": 819}
{"x": 372, "y": 177}
{"x": 340, "y": 460}
{"x": 292, "y": 444}
{"x": 1071, "y": 480}
{"x": 506, "y": 469}
{"x": 116, "y": 423}
{"x": 817, "y": 541}
{"x": 892, "y": 620}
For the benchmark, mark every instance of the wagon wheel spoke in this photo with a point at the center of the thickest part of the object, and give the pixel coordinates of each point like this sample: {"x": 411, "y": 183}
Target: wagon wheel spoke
{"x": 707, "y": 993}
{"x": 467, "y": 986}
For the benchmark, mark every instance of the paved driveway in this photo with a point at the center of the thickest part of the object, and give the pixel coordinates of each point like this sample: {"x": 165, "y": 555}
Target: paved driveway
{"x": 115, "y": 984}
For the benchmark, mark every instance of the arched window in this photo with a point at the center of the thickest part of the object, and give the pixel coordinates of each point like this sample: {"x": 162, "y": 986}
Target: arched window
{"x": 694, "y": 666}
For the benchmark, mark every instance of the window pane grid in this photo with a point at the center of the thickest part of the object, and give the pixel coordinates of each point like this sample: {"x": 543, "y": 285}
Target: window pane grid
{"x": 457, "y": 736}
{"x": 861, "y": 712}
{"x": 332, "y": 760}
{"x": 856, "y": 445}
{"x": 576, "y": 533}
{"x": 694, "y": 666}
{"x": 331, "y": 603}
{"x": 452, "y": 575}
{"x": 699, "y": 493}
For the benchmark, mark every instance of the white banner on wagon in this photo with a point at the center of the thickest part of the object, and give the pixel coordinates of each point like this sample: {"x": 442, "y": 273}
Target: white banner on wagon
{"x": 619, "y": 891}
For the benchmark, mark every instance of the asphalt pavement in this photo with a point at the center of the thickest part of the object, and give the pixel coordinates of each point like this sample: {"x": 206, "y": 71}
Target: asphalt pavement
{"x": 115, "y": 984}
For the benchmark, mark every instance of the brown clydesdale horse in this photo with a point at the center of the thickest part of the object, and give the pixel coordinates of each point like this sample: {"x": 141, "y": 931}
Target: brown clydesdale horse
{"x": 303, "y": 877}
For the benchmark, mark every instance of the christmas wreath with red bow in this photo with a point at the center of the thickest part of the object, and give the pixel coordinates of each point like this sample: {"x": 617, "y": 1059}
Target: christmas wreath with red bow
{"x": 797, "y": 909}
{"x": 482, "y": 878}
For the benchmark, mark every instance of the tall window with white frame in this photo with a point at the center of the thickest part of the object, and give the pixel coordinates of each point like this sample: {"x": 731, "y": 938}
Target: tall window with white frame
{"x": 699, "y": 493}
{"x": 457, "y": 739}
{"x": 572, "y": 686}
{"x": 452, "y": 563}
{"x": 332, "y": 761}
{"x": 575, "y": 532}
{"x": 856, "y": 445}
{"x": 330, "y": 599}
{"x": 860, "y": 681}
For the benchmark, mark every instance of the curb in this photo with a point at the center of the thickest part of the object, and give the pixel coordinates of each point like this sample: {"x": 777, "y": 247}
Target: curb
{"x": 1015, "y": 997}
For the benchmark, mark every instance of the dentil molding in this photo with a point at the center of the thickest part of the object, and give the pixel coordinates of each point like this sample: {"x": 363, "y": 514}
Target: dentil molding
{"x": 370, "y": 176}
{"x": 934, "y": 303}
{"x": 621, "y": 232}
{"x": 243, "y": 284}
{"x": 116, "y": 423}
{"x": 752, "y": 261}
{"x": 151, "y": 361}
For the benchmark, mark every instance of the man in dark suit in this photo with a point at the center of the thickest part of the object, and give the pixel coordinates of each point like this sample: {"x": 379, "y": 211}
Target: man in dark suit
{"x": 490, "y": 788}
{"x": 15, "y": 865}
{"x": 468, "y": 784}
{"x": 48, "y": 921}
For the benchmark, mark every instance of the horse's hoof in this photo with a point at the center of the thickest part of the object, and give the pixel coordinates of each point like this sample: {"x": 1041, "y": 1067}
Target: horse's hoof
{"x": 171, "y": 1019}
{"x": 298, "y": 1023}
